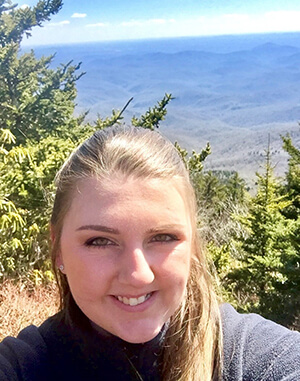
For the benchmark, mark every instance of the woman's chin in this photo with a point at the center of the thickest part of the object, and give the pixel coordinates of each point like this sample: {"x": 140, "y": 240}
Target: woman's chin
{"x": 139, "y": 334}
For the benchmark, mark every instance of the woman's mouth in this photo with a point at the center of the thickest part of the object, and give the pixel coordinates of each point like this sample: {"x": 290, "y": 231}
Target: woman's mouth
{"x": 133, "y": 301}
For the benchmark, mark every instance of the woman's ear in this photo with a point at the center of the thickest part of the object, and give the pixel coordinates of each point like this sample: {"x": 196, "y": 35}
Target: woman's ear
{"x": 59, "y": 263}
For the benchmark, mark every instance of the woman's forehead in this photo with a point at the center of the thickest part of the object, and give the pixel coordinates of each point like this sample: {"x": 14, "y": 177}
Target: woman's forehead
{"x": 117, "y": 181}
{"x": 131, "y": 207}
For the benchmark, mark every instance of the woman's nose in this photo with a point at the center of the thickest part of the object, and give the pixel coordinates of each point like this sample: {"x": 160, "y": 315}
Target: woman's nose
{"x": 135, "y": 269}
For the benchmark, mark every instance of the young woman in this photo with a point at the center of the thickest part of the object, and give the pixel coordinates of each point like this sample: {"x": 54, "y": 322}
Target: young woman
{"x": 137, "y": 301}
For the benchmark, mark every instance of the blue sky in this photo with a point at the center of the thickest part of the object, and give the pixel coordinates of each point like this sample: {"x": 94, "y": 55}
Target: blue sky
{"x": 98, "y": 20}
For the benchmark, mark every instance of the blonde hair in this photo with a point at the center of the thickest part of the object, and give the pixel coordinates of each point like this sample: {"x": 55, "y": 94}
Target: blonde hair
{"x": 192, "y": 349}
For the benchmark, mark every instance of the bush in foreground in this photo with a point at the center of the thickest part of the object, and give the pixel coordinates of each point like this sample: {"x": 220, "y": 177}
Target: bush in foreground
{"x": 21, "y": 306}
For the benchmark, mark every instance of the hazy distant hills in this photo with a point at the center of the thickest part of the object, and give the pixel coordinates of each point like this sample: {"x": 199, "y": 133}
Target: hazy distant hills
{"x": 232, "y": 91}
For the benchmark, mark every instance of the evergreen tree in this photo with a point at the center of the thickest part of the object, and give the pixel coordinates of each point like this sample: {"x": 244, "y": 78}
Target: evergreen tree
{"x": 292, "y": 186}
{"x": 152, "y": 118}
{"x": 268, "y": 274}
{"x": 220, "y": 196}
{"x": 36, "y": 124}
{"x": 35, "y": 101}
{"x": 15, "y": 22}
{"x": 236, "y": 188}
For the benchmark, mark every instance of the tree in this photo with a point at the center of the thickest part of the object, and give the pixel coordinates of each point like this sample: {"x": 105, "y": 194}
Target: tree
{"x": 268, "y": 274}
{"x": 11, "y": 220}
{"x": 292, "y": 185}
{"x": 221, "y": 197}
{"x": 38, "y": 131}
{"x": 153, "y": 116}
{"x": 35, "y": 101}
{"x": 236, "y": 188}
{"x": 14, "y": 23}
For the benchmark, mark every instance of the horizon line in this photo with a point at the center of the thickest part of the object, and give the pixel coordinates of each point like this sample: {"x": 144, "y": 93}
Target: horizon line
{"x": 156, "y": 38}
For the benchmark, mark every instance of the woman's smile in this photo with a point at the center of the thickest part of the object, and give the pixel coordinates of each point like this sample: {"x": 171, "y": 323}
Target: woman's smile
{"x": 135, "y": 305}
{"x": 133, "y": 301}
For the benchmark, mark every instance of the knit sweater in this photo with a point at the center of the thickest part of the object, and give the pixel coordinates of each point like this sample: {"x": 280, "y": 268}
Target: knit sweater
{"x": 255, "y": 349}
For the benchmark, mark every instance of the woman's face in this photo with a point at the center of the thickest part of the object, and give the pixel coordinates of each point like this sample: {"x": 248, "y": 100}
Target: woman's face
{"x": 126, "y": 249}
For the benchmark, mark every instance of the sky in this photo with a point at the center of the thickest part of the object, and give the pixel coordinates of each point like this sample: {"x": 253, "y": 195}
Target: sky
{"x": 103, "y": 20}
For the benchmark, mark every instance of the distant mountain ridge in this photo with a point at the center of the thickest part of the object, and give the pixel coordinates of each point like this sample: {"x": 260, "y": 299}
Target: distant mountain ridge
{"x": 233, "y": 98}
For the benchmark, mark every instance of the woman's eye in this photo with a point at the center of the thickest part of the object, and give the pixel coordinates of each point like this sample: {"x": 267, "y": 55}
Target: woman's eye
{"x": 99, "y": 241}
{"x": 164, "y": 238}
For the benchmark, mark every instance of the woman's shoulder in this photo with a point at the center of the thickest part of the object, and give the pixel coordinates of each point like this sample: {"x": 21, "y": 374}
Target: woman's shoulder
{"x": 258, "y": 349}
{"x": 26, "y": 356}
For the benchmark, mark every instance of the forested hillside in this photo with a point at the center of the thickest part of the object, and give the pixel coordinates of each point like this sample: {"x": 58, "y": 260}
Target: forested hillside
{"x": 252, "y": 241}
{"x": 229, "y": 90}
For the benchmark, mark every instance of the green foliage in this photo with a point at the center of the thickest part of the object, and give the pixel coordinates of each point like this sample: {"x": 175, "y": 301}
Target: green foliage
{"x": 254, "y": 242}
{"x": 236, "y": 189}
{"x": 292, "y": 186}
{"x": 14, "y": 23}
{"x": 268, "y": 274}
{"x": 115, "y": 118}
{"x": 217, "y": 206}
{"x": 154, "y": 115}
{"x": 35, "y": 101}
{"x": 11, "y": 218}
{"x": 38, "y": 131}
{"x": 194, "y": 163}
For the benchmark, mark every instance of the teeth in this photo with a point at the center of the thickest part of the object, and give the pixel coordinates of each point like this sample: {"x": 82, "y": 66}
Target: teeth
{"x": 133, "y": 301}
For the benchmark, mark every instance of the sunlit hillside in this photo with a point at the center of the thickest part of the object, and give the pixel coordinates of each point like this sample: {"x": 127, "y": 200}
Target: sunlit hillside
{"x": 231, "y": 91}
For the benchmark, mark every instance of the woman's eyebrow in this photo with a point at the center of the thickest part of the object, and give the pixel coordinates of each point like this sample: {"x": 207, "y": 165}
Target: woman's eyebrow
{"x": 99, "y": 228}
{"x": 166, "y": 227}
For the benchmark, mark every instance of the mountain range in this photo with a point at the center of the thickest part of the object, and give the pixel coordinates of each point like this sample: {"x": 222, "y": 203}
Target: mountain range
{"x": 230, "y": 90}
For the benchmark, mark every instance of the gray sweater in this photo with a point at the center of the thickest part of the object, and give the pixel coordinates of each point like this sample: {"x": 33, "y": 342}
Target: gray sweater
{"x": 255, "y": 349}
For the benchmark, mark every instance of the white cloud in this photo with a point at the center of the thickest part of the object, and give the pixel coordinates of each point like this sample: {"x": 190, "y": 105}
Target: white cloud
{"x": 236, "y": 23}
{"x": 61, "y": 23}
{"x": 157, "y": 21}
{"x": 79, "y": 15}
{"x": 141, "y": 23}
{"x": 97, "y": 25}
{"x": 24, "y": 6}
{"x": 283, "y": 20}
{"x": 131, "y": 23}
